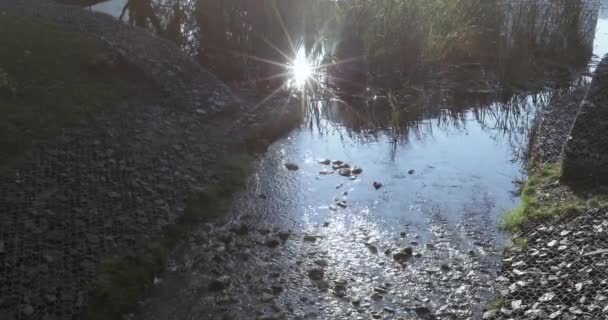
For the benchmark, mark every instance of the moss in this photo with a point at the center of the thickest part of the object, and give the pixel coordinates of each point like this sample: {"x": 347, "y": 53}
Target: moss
{"x": 544, "y": 196}
{"x": 497, "y": 303}
{"x": 51, "y": 79}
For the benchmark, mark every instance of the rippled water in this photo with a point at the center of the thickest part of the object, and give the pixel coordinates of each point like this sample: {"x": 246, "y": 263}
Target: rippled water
{"x": 447, "y": 179}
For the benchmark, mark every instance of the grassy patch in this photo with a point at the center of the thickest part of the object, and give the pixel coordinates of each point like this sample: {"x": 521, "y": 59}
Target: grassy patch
{"x": 544, "y": 196}
{"x": 51, "y": 79}
{"x": 122, "y": 280}
{"x": 497, "y": 303}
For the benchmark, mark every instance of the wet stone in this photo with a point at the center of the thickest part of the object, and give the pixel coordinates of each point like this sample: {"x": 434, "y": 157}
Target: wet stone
{"x": 377, "y": 185}
{"x": 272, "y": 243}
{"x": 219, "y": 283}
{"x": 292, "y": 166}
{"x": 241, "y": 229}
{"x": 403, "y": 255}
{"x": 310, "y": 238}
{"x": 422, "y": 311}
{"x": 325, "y": 162}
{"x": 284, "y": 235}
{"x": 316, "y": 274}
{"x": 344, "y": 172}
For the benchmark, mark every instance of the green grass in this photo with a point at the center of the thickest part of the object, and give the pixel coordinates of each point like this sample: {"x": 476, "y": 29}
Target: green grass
{"x": 51, "y": 79}
{"x": 497, "y": 303}
{"x": 123, "y": 279}
{"x": 545, "y": 196}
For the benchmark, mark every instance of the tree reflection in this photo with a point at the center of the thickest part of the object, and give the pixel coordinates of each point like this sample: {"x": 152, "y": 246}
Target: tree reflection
{"x": 441, "y": 60}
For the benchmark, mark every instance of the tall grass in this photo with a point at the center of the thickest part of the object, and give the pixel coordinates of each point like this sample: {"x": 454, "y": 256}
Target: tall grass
{"x": 406, "y": 41}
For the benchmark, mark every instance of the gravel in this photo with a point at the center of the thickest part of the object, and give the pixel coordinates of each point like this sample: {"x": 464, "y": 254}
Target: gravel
{"x": 560, "y": 273}
{"x": 117, "y": 177}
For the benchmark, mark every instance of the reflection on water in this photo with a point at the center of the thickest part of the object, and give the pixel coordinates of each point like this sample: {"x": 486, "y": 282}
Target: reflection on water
{"x": 511, "y": 42}
{"x": 444, "y": 125}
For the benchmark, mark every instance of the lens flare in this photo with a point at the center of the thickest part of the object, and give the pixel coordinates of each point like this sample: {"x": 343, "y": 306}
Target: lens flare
{"x": 301, "y": 70}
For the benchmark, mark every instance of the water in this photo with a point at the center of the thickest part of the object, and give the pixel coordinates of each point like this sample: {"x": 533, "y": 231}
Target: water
{"x": 465, "y": 157}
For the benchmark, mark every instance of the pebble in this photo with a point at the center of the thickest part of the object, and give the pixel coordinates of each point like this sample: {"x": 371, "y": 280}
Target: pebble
{"x": 272, "y": 243}
{"x": 291, "y": 166}
{"x": 316, "y": 274}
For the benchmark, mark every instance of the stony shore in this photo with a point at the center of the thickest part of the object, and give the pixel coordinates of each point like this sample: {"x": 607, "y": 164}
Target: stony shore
{"x": 556, "y": 267}
{"x": 114, "y": 181}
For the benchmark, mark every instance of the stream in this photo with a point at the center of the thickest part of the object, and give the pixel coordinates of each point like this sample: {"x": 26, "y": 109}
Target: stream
{"x": 415, "y": 235}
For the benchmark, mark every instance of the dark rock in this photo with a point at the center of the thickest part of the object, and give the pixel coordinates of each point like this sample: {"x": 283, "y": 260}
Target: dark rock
{"x": 276, "y": 290}
{"x": 337, "y": 162}
{"x": 284, "y": 235}
{"x": 341, "y": 204}
{"x": 344, "y": 172}
{"x": 377, "y": 185}
{"x": 316, "y": 274}
{"x": 321, "y": 262}
{"x": 241, "y": 229}
{"x": 356, "y": 170}
{"x": 389, "y": 310}
{"x": 403, "y": 254}
{"x": 263, "y": 196}
{"x": 380, "y": 290}
{"x": 377, "y": 296}
{"x": 219, "y": 283}
{"x": 422, "y": 311}
{"x": 310, "y": 238}
{"x": 371, "y": 248}
{"x": 445, "y": 268}
{"x": 272, "y": 243}
{"x": 325, "y": 162}
{"x": 291, "y": 166}
{"x": 411, "y": 172}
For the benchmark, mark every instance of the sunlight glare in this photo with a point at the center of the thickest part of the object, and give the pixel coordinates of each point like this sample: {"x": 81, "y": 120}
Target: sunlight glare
{"x": 301, "y": 69}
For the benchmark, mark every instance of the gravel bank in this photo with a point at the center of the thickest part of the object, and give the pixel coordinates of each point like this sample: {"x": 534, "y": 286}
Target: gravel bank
{"x": 556, "y": 268}
{"x": 118, "y": 177}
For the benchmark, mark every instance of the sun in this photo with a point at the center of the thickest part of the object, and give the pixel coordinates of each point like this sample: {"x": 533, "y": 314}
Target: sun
{"x": 301, "y": 69}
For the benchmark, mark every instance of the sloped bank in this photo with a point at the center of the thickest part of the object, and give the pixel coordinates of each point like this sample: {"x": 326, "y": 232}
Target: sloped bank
{"x": 89, "y": 216}
{"x": 556, "y": 267}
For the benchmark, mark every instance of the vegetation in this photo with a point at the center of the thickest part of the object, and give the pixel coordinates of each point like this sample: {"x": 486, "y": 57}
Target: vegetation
{"x": 405, "y": 41}
{"x": 123, "y": 279}
{"x": 543, "y": 196}
{"x": 52, "y": 79}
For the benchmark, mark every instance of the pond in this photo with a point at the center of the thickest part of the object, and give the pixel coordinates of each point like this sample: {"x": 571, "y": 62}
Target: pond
{"x": 440, "y": 135}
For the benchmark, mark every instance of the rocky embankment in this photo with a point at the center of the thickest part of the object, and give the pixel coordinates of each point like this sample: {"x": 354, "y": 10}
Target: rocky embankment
{"x": 556, "y": 268}
{"x": 116, "y": 179}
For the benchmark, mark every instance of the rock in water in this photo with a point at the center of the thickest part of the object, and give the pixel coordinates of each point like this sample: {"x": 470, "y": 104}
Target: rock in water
{"x": 272, "y": 243}
{"x": 411, "y": 171}
{"x": 316, "y": 274}
{"x": 377, "y": 185}
{"x": 344, "y": 172}
{"x": 356, "y": 170}
{"x": 337, "y": 162}
{"x": 291, "y": 166}
{"x": 325, "y": 162}
{"x": 404, "y": 254}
